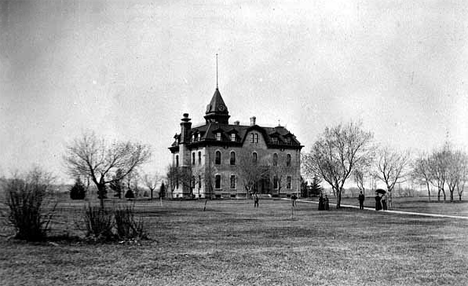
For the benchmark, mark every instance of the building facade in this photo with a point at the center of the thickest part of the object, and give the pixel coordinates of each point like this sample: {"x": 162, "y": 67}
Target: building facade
{"x": 223, "y": 160}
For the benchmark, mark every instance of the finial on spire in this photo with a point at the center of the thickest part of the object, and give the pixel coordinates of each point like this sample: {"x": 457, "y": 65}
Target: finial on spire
{"x": 216, "y": 70}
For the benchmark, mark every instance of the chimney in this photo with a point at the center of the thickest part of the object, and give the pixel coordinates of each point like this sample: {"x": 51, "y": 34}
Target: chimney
{"x": 236, "y": 122}
{"x": 185, "y": 127}
{"x": 252, "y": 120}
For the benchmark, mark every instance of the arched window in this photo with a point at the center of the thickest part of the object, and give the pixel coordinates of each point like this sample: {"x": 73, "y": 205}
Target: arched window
{"x": 288, "y": 160}
{"x": 233, "y": 181}
{"x": 218, "y": 181}
{"x": 275, "y": 159}
{"x": 177, "y": 160}
{"x": 288, "y": 182}
{"x": 199, "y": 182}
{"x": 218, "y": 158}
{"x": 233, "y": 158}
{"x": 275, "y": 182}
{"x": 254, "y": 157}
{"x": 193, "y": 158}
{"x": 199, "y": 158}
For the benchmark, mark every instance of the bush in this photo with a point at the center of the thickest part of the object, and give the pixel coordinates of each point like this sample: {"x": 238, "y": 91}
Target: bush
{"x": 25, "y": 198}
{"x": 98, "y": 223}
{"x": 78, "y": 191}
{"x": 129, "y": 194}
{"x": 126, "y": 225}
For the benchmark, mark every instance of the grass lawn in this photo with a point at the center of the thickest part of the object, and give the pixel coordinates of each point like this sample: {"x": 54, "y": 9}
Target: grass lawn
{"x": 231, "y": 243}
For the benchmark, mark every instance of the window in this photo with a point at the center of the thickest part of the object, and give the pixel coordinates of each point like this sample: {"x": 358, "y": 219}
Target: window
{"x": 288, "y": 160}
{"x": 193, "y": 158}
{"x": 233, "y": 158}
{"x": 233, "y": 137}
{"x": 199, "y": 158}
{"x": 275, "y": 182}
{"x": 275, "y": 159}
{"x": 288, "y": 182}
{"x": 233, "y": 182}
{"x": 199, "y": 182}
{"x": 192, "y": 185}
{"x": 274, "y": 140}
{"x": 218, "y": 158}
{"x": 254, "y": 157}
{"x": 177, "y": 160}
{"x": 218, "y": 136}
{"x": 218, "y": 181}
{"x": 254, "y": 138}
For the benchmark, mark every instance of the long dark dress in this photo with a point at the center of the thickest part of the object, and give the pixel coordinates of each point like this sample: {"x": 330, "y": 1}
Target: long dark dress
{"x": 321, "y": 205}
{"x": 378, "y": 205}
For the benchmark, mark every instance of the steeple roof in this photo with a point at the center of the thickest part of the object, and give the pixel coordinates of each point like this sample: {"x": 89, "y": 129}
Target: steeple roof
{"x": 217, "y": 110}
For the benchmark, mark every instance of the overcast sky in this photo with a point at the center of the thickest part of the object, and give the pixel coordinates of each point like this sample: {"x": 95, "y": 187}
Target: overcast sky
{"x": 129, "y": 70}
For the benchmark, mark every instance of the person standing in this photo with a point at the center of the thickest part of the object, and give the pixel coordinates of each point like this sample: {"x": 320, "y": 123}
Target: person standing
{"x": 294, "y": 198}
{"x": 378, "y": 205}
{"x": 327, "y": 204}
{"x": 361, "y": 199}
{"x": 321, "y": 205}
{"x": 384, "y": 202}
{"x": 255, "y": 200}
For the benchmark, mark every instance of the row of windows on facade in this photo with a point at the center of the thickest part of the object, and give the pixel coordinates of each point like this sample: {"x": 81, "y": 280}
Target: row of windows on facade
{"x": 276, "y": 182}
{"x": 234, "y": 138}
{"x": 232, "y": 159}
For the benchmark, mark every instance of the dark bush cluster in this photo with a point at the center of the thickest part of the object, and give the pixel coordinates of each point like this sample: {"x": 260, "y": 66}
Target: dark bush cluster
{"x": 30, "y": 213}
{"x": 113, "y": 224}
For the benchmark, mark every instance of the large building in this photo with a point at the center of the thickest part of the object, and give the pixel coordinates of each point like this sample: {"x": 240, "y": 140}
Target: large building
{"x": 223, "y": 160}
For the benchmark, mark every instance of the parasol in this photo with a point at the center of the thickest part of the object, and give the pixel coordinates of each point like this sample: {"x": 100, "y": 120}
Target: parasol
{"x": 380, "y": 191}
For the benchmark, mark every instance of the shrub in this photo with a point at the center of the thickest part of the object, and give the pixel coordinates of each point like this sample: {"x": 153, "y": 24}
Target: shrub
{"x": 129, "y": 194}
{"x": 127, "y": 226}
{"x": 78, "y": 191}
{"x": 25, "y": 198}
{"x": 98, "y": 223}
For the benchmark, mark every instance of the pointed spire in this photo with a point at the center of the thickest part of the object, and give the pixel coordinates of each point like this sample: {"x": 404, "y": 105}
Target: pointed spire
{"x": 217, "y": 110}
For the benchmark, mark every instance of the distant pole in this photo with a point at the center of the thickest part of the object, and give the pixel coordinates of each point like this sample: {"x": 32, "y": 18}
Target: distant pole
{"x": 216, "y": 70}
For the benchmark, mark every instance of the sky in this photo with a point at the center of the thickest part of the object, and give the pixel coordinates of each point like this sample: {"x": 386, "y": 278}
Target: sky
{"x": 128, "y": 70}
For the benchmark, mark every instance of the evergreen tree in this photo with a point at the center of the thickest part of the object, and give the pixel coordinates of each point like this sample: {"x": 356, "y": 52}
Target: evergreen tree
{"x": 78, "y": 191}
{"x": 315, "y": 188}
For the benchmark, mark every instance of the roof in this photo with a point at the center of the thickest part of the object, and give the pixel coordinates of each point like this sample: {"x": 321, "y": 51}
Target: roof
{"x": 275, "y": 137}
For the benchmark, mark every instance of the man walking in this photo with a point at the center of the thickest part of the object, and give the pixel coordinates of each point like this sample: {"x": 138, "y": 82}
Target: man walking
{"x": 361, "y": 199}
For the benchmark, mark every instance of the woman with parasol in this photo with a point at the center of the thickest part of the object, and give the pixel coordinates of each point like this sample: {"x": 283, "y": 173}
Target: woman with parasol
{"x": 378, "y": 198}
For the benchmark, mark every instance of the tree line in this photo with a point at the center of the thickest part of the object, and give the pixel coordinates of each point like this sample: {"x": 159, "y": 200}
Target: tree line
{"x": 346, "y": 153}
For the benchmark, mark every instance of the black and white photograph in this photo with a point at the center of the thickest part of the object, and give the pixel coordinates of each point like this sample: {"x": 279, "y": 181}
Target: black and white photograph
{"x": 233, "y": 142}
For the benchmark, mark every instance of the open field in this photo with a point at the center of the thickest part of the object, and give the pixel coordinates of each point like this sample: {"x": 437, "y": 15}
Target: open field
{"x": 231, "y": 243}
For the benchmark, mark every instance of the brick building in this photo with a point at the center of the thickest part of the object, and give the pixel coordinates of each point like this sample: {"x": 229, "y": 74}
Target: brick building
{"x": 218, "y": 159}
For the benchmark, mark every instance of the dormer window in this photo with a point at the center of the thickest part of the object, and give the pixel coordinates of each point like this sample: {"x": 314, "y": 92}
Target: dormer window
{"x": 274, "y": 140}
{"x": 218, "y": 136}
{"x": 254, "y": 138}
{"x": 233, "y": 137}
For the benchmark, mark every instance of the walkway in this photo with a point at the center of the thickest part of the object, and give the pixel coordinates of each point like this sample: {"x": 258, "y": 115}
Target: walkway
{"x": 395, "y": 212}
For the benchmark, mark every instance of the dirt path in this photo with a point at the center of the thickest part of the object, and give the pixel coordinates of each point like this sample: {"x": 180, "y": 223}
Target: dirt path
{"x": 394, "y": 211}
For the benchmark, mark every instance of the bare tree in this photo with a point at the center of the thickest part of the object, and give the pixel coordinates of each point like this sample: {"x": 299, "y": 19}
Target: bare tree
{"x": 179, "y": 176}
{"x": 456, "y": 170}
{"x": 391, "y": 168}
{"x": 421, "y": 173}
{"x": 279, "y": 173}
{"x": 337, "y": 152}
{"x": 151, "y": 181}
{"x": 92, "y": 157}
{"x": 252, "y": 170}
{"x": 438, "y": 169}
